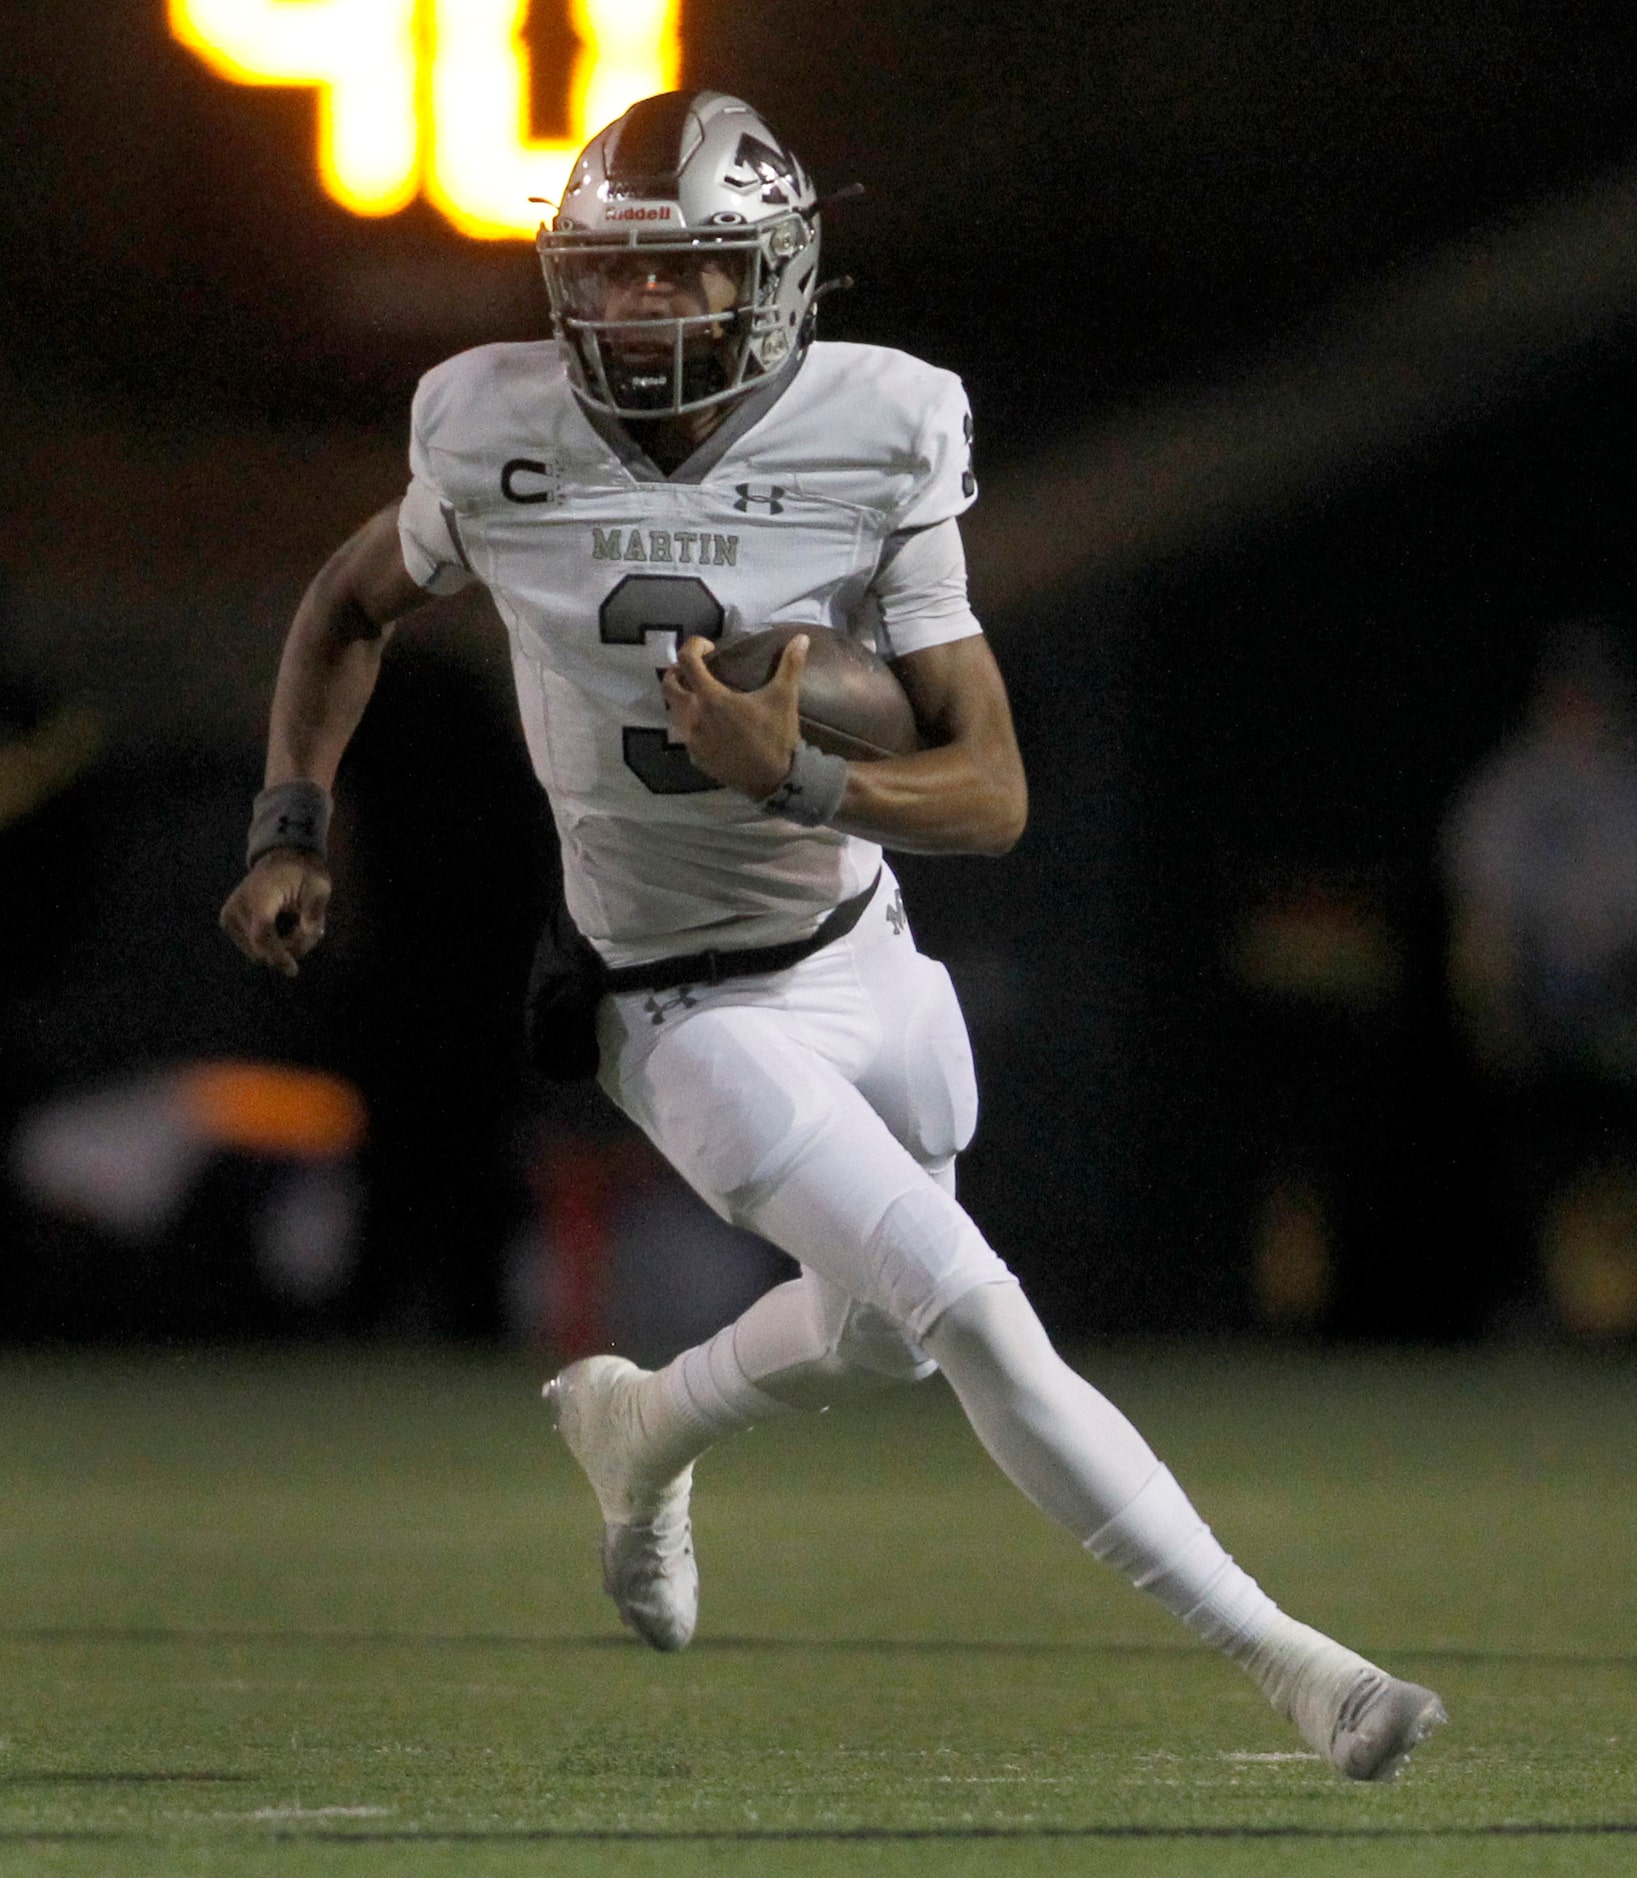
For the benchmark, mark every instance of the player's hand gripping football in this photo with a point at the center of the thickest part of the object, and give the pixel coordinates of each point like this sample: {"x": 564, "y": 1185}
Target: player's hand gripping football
{"x": 276, "y": 913}
{"x": 745, "y": 739}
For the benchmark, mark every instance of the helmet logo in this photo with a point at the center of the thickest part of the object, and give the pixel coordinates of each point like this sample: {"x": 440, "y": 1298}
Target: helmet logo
{"x": 646, "y": 212}
{"x": 758, "y": 164}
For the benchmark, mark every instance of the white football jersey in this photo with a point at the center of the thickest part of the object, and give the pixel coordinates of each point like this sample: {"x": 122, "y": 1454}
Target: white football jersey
{"x": 599, "y": 564}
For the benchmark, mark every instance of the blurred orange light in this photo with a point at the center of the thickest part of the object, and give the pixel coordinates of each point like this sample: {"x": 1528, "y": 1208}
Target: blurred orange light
{"x": 434, "y": 94}
{"x": 364, "y": 57}
{"x": 484, "y": 167}
{"x": 271, "y": 1109}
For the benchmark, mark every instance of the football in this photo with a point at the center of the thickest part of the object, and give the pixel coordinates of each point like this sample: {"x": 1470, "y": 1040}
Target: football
{"x": 851, "y": 705}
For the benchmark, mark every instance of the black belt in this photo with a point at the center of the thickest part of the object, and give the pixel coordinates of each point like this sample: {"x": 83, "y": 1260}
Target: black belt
{"x": 710, "y": 968}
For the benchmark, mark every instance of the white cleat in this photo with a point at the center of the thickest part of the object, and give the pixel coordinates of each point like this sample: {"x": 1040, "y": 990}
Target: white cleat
{"x": 1380, "y": 1723}
{"x": 647, "y": 1551}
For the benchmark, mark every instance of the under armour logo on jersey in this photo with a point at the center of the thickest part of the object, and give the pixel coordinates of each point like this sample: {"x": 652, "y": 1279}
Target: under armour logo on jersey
{"x": 659, "y": 1009}
{"x": 774, "y": 498}
{"x": 897, "y": 918}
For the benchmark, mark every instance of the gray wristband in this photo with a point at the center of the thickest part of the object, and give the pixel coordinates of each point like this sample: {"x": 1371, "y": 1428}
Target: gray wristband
{"x": 289, "y": 815}
{"x": 811, "y": 793}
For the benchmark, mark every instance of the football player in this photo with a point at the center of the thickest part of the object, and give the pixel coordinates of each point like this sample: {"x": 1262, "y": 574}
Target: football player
{"x": 681, "y": 464}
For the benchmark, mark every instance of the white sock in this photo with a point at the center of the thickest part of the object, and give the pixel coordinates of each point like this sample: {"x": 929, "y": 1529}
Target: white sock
{"x": 800, "y": 1347}
{"x": 1160, "y": 1542}
{"x": 1163, "y": 1546}
{"x": 696, "y": 1399}
{"x": 1166, "y": 1549}
{"x": 770, "y": 1361}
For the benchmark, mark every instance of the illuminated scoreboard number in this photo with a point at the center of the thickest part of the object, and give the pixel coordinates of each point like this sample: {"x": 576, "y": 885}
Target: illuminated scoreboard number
{"x": 432, "y": 95}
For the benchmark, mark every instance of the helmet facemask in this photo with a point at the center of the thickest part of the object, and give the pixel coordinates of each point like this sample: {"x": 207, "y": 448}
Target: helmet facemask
{"x": 644, "y": 365}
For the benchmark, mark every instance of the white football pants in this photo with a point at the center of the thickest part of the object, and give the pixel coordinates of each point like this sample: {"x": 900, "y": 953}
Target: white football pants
{"x": 823, "y": 1108}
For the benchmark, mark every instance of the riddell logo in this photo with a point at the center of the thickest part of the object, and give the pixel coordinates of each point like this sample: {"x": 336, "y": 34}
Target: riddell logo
{"x": 655, "y": 212}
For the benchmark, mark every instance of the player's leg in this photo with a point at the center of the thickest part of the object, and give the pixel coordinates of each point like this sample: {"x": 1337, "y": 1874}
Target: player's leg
{"x": 808, "y": 1344}
{"x": 1069, "y": 1448}
{"x": 728, "y": 1090}
{"x": 1082, "y": 1462}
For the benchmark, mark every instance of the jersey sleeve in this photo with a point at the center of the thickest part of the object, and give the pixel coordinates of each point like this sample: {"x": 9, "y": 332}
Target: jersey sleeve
{"x": 944, "y": 484}
{"x": 428, "y": 527}
{"x": 430, "y": 537}
{"x": 918, "y": 597}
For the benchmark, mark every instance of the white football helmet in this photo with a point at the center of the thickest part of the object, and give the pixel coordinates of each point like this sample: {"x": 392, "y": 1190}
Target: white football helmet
{"x": 698, "y": 178}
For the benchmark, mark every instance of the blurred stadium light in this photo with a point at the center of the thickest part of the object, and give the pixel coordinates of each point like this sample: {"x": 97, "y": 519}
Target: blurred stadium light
{"x": 124, "y": 1154}
{"x": 435, "y": 94}
{"x": 203, "y": 1197}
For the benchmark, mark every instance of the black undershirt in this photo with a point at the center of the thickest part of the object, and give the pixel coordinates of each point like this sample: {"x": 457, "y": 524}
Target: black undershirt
{"x": 664, "y": 441}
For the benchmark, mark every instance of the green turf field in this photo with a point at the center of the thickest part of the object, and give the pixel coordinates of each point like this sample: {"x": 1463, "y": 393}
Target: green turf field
{"x": 339, "y": 1614}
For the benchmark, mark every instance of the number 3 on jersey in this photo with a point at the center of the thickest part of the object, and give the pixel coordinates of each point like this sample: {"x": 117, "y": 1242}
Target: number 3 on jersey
{"x": 660, "y": 603}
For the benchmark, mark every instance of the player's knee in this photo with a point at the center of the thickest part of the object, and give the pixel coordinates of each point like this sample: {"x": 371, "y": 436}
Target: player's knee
{"x": 856, "y": 1340}
{"x": 992, "y": 1329}
{"x": 924, "y": 1254}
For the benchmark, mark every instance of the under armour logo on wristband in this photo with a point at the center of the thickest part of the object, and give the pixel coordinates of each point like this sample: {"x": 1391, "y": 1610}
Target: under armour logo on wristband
{"x": 779, "y": 802}
{"x": 812, "y": 792}
{"x": 289, "y": 815}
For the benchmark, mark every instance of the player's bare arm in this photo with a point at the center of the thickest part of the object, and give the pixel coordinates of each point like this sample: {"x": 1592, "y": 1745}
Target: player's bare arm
{"x": 964, "y": 794}
{"x": 327, "y": 674}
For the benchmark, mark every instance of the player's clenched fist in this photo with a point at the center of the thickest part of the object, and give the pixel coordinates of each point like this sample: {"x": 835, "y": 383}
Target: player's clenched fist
{"x": 276, "y": 913}
{"x": 742, "y": 738}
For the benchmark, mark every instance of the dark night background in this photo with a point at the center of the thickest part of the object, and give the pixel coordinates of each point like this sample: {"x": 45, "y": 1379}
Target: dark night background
{"x": 1246, "y": 698}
